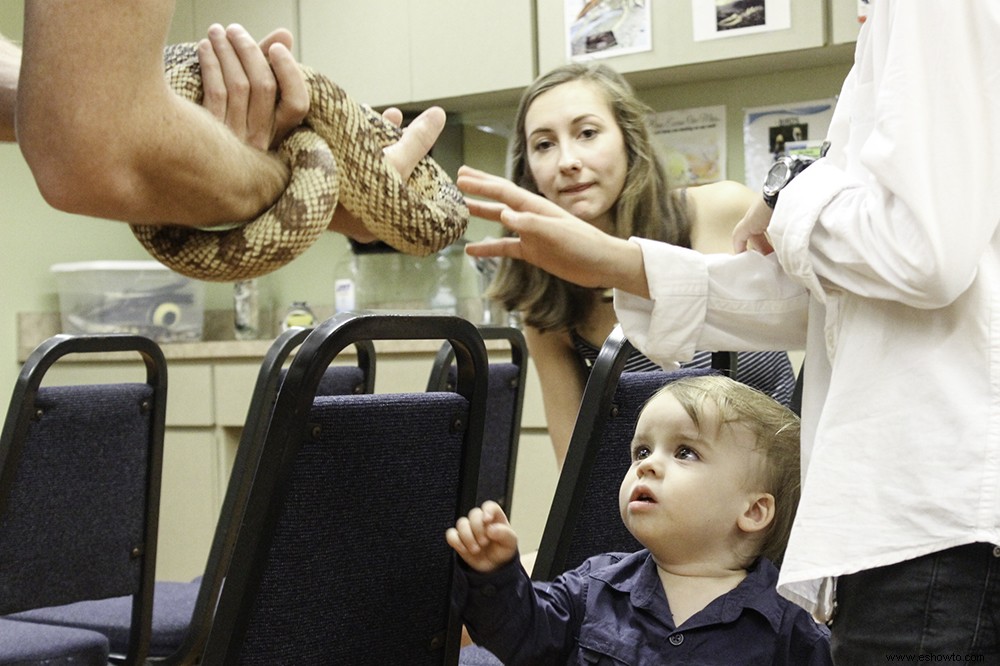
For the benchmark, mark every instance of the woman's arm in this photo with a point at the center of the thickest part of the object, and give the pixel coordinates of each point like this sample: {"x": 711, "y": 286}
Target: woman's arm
{"x": 714, "y": 210}
{"x": 562, "y": 378}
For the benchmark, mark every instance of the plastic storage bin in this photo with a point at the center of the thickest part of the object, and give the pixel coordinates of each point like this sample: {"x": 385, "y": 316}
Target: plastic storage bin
{"x": 142, "y": 297}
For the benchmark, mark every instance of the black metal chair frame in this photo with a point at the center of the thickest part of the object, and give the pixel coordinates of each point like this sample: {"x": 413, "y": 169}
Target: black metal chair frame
{"x": 22, "y": 411}
{"x": 290, "y": 425}
{"x": 440, "y": 381}
{"x": 269, "y": 380}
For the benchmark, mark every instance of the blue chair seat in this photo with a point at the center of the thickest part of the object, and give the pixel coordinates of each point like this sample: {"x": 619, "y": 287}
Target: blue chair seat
{"x": 27, "y": 644}
{"x": 173, "y": 605}
{"x": 473, "y": 655}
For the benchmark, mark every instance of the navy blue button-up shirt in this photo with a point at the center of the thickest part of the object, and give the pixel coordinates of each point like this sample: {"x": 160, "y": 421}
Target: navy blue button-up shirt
{"x": 612, "y": 610}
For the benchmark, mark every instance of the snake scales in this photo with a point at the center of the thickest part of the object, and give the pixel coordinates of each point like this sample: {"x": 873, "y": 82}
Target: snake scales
{"x": 335, "y": 156}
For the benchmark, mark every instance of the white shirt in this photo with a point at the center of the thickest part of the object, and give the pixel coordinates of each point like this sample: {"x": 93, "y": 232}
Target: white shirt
{"x": 887, "y": 270}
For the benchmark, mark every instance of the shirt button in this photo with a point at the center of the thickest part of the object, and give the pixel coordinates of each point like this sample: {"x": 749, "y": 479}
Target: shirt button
{"x": 488, "y": 591}
{"x": 996, "y": 551}
{"x": 676, "y": 639}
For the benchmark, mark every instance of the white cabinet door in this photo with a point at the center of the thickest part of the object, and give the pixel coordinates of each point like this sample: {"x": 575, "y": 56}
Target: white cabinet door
{"x": 421, "y": 50}
{"x": 259, "y": 18}
{"x": 466, "y": 48}
{"x": 364, "y": 47}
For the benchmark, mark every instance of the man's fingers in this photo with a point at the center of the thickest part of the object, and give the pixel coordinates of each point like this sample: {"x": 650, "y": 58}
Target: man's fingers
{"x": 212, "y": 83}
{"x": 262, "y": 88}
{"x": 293, "y": 103}
{"x": 279, "y": 36}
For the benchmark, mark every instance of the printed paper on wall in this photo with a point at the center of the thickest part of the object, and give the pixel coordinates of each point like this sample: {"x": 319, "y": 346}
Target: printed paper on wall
{"x": 606, "y": 28}
{"x": 719, "y": 19}
{"x": 692, "y": 144}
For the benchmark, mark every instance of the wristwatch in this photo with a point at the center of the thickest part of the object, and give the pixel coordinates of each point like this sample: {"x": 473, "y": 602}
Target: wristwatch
{"x": 781, "y": 173}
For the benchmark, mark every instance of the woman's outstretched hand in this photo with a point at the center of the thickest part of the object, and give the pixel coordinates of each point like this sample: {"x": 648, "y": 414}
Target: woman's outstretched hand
{"x": 549, "y": 237}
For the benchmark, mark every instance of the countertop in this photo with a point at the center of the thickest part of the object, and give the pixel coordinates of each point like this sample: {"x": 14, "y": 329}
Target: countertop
{"x": 217, "y": 343}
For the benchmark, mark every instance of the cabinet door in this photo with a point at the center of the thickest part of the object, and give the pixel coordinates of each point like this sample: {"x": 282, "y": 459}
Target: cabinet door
{"x": 362, "y": 46}
{"x": 465, "y": 48}
{"x": 421, "y": 50}
{"x": 259, "y": 18}
{"x": 673, "y": 43}
{"x": 844, "y": 24}
{"x": 189, "y": 503}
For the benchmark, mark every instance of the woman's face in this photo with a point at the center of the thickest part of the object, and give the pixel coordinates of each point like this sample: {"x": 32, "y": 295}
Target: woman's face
{"x": 576, "y": 151}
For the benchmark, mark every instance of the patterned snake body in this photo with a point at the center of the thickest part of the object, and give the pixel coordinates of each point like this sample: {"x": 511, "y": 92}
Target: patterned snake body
{"x": 335, "y": 156}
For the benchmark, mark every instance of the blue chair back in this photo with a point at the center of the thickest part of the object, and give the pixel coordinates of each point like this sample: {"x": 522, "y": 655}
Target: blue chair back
{"x": 80, "y": 469}
{"x": 341, "y": 557}
{"x": 507, "y": 380}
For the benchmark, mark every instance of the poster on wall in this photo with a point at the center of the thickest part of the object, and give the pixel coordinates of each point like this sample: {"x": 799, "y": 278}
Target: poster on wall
{"x": 718, "y": 19}
{"x": 770, "y": 131}
{"x": 606, "y": 28}
{"x": 692, "y": 144}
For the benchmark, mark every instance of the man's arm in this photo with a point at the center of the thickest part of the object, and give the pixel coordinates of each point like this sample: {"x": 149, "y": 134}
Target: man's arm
{"x": 105, "y": 136}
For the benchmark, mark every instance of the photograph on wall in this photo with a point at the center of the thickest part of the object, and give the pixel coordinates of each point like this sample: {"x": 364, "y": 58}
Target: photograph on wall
{"x": 692, "y": 144}
{"x": 772, "y": 131}
{"x": 718, "y": 19}
{"x": 607, "y": 28}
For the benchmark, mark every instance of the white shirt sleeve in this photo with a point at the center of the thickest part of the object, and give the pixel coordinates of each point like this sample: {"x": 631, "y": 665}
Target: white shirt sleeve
{"x": 711, "y": 303}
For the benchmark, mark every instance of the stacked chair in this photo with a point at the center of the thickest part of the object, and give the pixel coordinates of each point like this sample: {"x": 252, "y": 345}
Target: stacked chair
{"x": 183, "y": 611}
{"x": 80, "y": 471}
{"x": 507, "y": 380}
{"x": 341, "y": 556}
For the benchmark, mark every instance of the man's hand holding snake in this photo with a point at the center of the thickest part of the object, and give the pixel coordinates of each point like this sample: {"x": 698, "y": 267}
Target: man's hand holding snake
{"x": 259, "y": 92}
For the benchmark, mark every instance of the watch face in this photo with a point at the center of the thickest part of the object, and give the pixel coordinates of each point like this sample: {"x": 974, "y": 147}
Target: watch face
{"x": 777, "y": 176}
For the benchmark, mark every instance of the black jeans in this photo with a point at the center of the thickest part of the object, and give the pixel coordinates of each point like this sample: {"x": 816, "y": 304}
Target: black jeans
{"x": 944, "y": 606}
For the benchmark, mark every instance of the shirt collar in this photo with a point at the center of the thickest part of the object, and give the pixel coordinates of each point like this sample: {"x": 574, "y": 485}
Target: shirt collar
{"x": 636, "y": 574}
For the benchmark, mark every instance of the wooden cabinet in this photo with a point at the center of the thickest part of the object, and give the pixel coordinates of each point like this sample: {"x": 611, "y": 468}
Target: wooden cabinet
{"x": 363, "y": 46}
{"x": 420, "y": 50}
{"x": 189, "y": 502}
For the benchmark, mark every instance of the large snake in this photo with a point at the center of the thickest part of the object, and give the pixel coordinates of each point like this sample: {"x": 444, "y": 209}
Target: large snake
{"x": 335, "y": 156}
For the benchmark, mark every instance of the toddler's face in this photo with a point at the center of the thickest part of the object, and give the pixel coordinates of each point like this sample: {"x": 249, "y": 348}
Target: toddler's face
{"x": 687, "y": 485}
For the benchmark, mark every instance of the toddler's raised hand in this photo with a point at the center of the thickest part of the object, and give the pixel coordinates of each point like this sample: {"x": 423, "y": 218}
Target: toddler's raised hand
{"x": 484, "y": 539}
